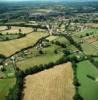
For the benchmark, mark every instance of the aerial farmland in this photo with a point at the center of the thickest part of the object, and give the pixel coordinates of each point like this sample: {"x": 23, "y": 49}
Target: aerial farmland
{"x": 48, "y": 50}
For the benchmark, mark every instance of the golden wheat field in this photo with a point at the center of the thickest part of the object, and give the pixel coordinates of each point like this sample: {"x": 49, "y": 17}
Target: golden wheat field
{"x": 2, "y": 28}
{"x": 8, "y": 48}
{"x": 51, "y": 84}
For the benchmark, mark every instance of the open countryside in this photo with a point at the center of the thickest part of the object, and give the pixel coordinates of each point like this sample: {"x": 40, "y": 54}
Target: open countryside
{"x": 48, "y": 50}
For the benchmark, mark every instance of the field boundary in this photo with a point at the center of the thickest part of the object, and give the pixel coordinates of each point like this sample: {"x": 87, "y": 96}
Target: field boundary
{"x": 16, "y": 92}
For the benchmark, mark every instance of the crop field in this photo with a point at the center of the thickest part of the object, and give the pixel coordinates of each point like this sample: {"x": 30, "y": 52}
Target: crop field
{"x": 88, "y": 85}
{"x": 89, "y": 49}
{"x": 14, "y": 30}
{"x": 2, "y": 28}
{"x": 90, "y": 39}
{"x": 52, "y": 84}
{"x": 72, "y": 48}
{"x": 76, "y": 39}
{"x": 48, "y": 56}
{"x": 90, "y": 31}
{"x": 62, "y": 40}
{"x": 8, "y": 48}
{"x": 51, "y": 38}
{"x": 94, "y": 25}
{"x": 5, "y": 85}
{"x": 95, "y": 44}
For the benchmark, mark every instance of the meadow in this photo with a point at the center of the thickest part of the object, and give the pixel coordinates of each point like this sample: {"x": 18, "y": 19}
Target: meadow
{"x": 88, "y": 86}
{"x": 85, "y": 31}
{"x": 48, "y": 56}
{"x": 5, "y": 86}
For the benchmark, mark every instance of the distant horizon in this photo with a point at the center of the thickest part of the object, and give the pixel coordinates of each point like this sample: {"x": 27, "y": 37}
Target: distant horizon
{"x": 47, "y": 0}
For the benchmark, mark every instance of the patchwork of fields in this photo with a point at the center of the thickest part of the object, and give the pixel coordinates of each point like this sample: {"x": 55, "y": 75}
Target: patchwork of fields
{"x": 88, "y": 40}
{"x": 55, "y": 83}
{"x": 48, "y": 50}
{"x": 37, "y": 59}
{"x": 8, "y": 48}
{"x": 14, "y": 30}
{"x": 52, "y": 84}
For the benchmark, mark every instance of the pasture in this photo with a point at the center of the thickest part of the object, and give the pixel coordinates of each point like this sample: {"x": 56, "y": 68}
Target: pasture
{"x": 35, "y": 58}
{"x": 90, "y": 31}
{"x": 96, "y": 59}
{"x": 52, "y": 84}
{"x": 5, "y": 86}
{"x": 88, "y": 86}
{"x": 51, "y": 38}
{"x": 60, "y": 39}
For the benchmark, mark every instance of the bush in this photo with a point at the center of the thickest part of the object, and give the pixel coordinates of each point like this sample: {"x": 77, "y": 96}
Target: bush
{"x": 78, "y": 97}
{"x": 0, "y": 33}
{"x": 41, "y": 52}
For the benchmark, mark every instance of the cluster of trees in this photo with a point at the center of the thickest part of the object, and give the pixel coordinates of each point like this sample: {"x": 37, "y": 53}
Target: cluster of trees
{"x": 91, "y": 58}
{"x": 2, "y": 56}
{"x": 59, "y": 43}
{"x": 74, "y": 43}
{"x": 7, "y": 36}
{"x": 87, "y": 34}
{"x": 76, "y": 83}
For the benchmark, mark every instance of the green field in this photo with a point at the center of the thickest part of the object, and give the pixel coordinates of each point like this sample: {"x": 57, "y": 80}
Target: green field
{"x": 51, "y": 38}
{"x": 88, "y": 49}
{"x": 77, "y": 35}
{"x": 60, "y": 39}
{"x": 5, "y": 85}
{"x": 72, "y": 48}
{"x": 83, "y": 33}
{"x": 76, "y": 39}
{"x": 37, "y": 59}
{"x": 96, "y": 59}
{"x": 89, "y": 88}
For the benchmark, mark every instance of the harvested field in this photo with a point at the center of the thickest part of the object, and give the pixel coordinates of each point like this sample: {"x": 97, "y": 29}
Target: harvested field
{"x": 8, "y": 48}
{"x": 93, "y": 25}
{"x": 15, "y": 29}
{"x": 52, "y": 84}
{"x": 95, "y": 44}
{"x": 2, "y": 28}
{"x": 91, "y": 40}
